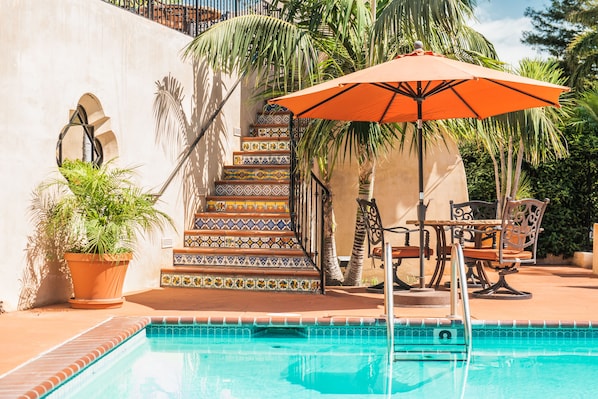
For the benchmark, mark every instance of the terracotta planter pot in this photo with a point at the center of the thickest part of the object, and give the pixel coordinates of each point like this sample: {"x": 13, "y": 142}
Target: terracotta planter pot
{"x": 97, "y": 280}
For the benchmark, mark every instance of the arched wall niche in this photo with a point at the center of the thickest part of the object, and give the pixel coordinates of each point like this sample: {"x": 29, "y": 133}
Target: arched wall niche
{"x": 87, "y": 120}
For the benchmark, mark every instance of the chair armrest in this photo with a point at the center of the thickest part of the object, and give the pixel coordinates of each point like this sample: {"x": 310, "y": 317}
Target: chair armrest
{"x": 407, "y": 232}
{"x": 400, "y": 229}
{"x": 480, "y": 235}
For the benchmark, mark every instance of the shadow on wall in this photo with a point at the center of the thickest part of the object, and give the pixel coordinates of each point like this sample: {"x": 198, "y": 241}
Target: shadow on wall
{"x": 179, "y": 134}
{"x": 46, "y": 278}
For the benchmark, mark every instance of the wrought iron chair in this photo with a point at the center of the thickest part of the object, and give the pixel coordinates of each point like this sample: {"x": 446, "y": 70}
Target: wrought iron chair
{"x": 517, "y": 239}
{"x": 376, "y": 242}
{"x": 473, "y": 210}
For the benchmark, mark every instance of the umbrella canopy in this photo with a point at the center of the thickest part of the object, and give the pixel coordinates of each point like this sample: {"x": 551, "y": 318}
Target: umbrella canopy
{"x": 417, "y": 87}
{"x": 389, "y": 92}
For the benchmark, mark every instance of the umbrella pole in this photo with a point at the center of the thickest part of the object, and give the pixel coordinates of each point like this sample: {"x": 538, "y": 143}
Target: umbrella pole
{"x": 421, "y": 208}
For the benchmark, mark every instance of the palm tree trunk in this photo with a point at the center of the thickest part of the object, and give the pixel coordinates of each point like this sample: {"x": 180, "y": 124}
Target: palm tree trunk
{"x": 503, "y": 177}
{"x": 366, "y": 187}
{"x": 517, "y": 176}
{"x": 509, "y": 173}
{"x": 496, "y": 181}
{"x": 334, "y": 275}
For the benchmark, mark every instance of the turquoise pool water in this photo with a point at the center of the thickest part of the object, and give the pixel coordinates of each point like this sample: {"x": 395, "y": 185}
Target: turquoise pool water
{"x": 242, "y": 363}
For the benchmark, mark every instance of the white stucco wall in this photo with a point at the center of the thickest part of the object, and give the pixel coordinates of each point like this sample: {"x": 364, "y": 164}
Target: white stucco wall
{"x": 54, "y": 52}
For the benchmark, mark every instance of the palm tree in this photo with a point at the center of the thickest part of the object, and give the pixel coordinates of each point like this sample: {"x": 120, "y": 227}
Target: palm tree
{"x": 315, "y": 40}
{"x": 583, "y": 50}
{"x": 533, "y": 135}
{"x": 586, "y": 113}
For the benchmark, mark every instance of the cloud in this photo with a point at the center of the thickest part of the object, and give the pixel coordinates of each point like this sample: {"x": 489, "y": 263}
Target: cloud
{"x": 505, "y": 32}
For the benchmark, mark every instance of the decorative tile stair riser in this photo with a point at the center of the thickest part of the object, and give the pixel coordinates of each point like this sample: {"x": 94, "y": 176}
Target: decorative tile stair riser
{"x": 278, "y": 131}
{"x": 236, "y": 222}
{"x": 252, "y": 189}
{"x": 297, "y": 261}
{"x": 241, "y": 172}
{"x": 296, "y": 284}
{"x": 249, "y": 205}
{"x": 279, "y": 158}
{"x": 267, "y": 241}
{"x": 253, "y": 145}
{"x": 273, "y": 118}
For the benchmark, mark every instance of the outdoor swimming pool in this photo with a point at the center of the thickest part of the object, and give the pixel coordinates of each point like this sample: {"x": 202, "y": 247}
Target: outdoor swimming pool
{"x": 245, "y": 362}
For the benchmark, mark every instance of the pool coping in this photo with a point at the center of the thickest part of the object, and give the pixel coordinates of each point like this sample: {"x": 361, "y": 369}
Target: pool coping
{"x": 42, "y": 374}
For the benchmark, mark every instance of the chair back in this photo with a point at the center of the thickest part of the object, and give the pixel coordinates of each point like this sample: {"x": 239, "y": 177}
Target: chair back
{"x": 471, "y": 210}
{"x": 372, "y": 220}
{"x": 521, "y": 220}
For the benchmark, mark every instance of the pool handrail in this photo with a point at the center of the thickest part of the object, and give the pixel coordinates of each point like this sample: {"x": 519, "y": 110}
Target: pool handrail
{"x": 458, "y": 265}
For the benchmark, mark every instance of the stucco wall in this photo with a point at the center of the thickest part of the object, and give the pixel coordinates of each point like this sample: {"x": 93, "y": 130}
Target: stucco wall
{"x": 396, "y": 192}
{"x": 56, "y": 52}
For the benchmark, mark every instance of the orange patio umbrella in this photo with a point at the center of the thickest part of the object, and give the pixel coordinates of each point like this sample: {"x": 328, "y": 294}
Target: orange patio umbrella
{"x": 418, "y": 87}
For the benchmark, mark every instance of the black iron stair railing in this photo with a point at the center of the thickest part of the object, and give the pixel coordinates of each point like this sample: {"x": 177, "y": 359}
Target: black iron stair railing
{"x": 307, "y": 196}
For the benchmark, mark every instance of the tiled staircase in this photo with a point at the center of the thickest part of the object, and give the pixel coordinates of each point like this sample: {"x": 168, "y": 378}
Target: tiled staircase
{"x": 243, "y": 239}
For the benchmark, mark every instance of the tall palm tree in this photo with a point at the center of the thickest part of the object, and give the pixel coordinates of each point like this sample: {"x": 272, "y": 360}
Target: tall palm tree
{"x": 311, "y": 41}
{"x": 533, "y": 135}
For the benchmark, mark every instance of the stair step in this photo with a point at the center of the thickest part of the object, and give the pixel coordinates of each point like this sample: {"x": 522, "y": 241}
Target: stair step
{"x": 262, "y": 158}
{"x": 252, "y": 188}
{"x": 247, "y": 204}
{"x": 243, "y": 239}
{"x": 242, "y": 257}
{"x": 248, "y": 221}
{"x": 253, "y": 172}
{"x": 273, "y": 118}
{"x": 288, "y": 252}
{"x": 257, "y": 144}
{"x": 252, "y": 279}
{"x": 240, "y": 239}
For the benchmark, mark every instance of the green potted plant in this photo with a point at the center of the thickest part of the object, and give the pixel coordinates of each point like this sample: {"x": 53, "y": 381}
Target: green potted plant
{"x": 100, "y": 212}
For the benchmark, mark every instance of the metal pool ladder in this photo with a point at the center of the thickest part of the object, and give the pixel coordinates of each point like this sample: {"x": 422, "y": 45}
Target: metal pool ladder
{"x": 450, "y": 343}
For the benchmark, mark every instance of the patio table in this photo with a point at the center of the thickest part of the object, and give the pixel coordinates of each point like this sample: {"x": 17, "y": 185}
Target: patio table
{"x": 441, "y": 227}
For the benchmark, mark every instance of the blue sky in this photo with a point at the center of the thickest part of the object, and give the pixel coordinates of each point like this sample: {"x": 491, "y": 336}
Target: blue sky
{"x": 502, "y": 22}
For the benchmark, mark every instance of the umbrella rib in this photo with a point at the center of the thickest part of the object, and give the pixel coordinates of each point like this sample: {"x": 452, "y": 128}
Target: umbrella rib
{"x": 408, "y": 91}
{"x": 387, "y": 108}
{"x": 445, "y": 85}
{"x": 402, "y": 89}
{"x": 523, "y": 92}
{"x": 465, "y": 102}
{"x": 352, "y": 86}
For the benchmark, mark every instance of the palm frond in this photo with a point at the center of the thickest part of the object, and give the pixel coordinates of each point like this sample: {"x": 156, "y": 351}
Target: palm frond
{"x": 265, "y": 47}
{"x": 169, "y": 114}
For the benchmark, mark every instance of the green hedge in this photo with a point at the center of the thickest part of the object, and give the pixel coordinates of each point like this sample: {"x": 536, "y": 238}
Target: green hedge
{"x": 571, "y": 184}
